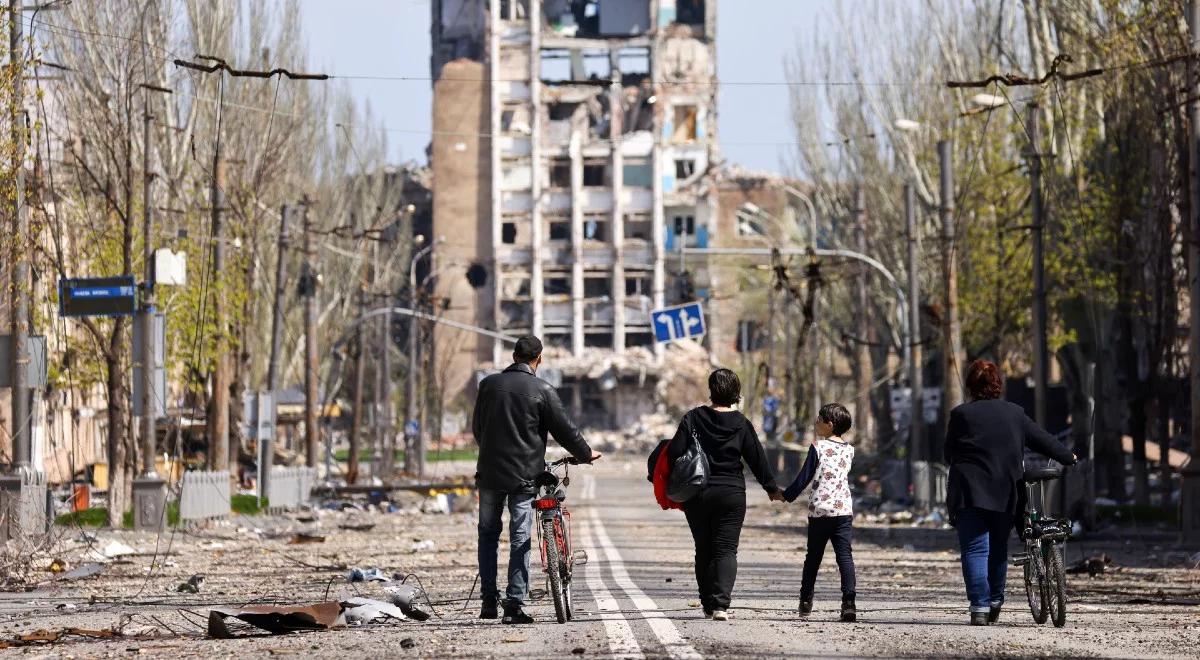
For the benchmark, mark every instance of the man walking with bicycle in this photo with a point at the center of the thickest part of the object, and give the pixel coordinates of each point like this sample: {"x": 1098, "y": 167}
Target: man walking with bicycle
{"x": 514, "y": 412}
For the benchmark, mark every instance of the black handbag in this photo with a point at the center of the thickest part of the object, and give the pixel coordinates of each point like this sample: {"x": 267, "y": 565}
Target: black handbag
{"x": 689, "y": 474}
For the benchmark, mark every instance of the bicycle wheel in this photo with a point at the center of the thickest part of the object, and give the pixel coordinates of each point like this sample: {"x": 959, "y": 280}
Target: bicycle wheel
{"x": 1035, "y": 578}
{"x": 554, "y": 570}
{"x": 569, "y": 601}
{"x": 1056, "y": 585}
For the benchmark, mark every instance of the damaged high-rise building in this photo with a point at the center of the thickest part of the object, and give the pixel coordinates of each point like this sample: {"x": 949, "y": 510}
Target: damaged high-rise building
{"x": 573, "y": 148}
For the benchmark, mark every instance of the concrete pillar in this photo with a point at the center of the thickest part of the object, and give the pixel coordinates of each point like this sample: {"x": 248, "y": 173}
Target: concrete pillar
{"x": 618, "y": 210}
{"x": 494, "y": 175}
{"x": 657, "y": 221}
{"x": 536, "y": 280}
{"x": 576, "y": 155}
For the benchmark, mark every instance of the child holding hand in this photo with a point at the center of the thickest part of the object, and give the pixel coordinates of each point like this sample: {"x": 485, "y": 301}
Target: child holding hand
{"x": 830, "y": 506}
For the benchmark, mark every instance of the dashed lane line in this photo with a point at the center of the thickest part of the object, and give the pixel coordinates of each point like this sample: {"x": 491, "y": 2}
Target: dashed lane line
{"x": 674, "y": 643}
{"x": 621, "y": 641}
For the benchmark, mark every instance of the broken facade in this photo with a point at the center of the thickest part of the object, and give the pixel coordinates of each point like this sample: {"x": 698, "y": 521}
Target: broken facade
{"x": 572, "y": 150}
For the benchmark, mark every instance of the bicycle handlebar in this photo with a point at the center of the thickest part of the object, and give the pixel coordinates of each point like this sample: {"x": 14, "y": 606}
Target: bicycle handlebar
{"x": 569, "y": 460}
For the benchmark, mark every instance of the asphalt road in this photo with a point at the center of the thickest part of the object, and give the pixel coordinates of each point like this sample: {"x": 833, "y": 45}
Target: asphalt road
{"x": 635, "y": 597}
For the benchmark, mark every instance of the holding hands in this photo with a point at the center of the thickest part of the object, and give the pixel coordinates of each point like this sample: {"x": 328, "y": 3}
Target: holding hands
{"x": 776, "y": 495}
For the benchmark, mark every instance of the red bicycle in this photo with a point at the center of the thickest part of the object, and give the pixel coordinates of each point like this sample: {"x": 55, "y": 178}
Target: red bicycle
{"x": 554, "y": 535}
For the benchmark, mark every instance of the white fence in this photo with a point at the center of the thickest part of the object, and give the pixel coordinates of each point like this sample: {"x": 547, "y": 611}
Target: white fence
{"x": 205, "y": 495}
{"x": 290, "y": 487}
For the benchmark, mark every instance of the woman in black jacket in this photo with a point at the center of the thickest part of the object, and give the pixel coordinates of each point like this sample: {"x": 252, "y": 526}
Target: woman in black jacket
{"x": 715, "y": 515}
{"x": 986, "y": 441}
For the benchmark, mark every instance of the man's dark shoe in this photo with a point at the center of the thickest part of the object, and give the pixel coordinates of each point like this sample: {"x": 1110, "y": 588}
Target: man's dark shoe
{"x": 516, "y": 616}
{"x": 979, "y": 618}
{"x": 805, "y": 608}
{"x": 490, "y": 609}
{"x": 849, "y": 611}
{"x": 994, "y": 614}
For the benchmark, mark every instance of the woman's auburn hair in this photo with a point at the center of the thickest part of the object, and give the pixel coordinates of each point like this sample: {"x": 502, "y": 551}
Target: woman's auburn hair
{"x": 983, "y": 380}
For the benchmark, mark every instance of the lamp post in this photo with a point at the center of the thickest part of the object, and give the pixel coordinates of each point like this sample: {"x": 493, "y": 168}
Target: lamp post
{"x": 414, "y": 455}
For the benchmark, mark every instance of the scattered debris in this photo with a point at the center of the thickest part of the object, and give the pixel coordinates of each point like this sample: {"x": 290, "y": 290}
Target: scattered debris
{"x": 66, "y": 607}
{"x": 357, "y": 527}
{"x": 85, "y": 571}
{"x": 306, "y": 537}
{"x": 578, "y": 650}
{"x": 419, "y": 546}
{"x": 407, "y": 598}
{"x": 57, "y": 566}
{"x": 366, "y": 610}
{"x": 437, "y": 504}
{"x": 407, "y": 643}
{"x": 1093, "y": 566}
{"x": 369, "y": 575}
{"x": 111, "y": 551}
{"x": 192, "y": 586}
{"x": 277, "y": 620}
{"x": 50, "y": 636}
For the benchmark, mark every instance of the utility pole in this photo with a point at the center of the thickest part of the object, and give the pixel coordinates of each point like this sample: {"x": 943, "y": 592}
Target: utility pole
{"x": 388, "y": 439}
{"x": 266, "y": 446}
{"x": 953, "y": 355}
{"x": 360, "y": 362}
{"x": 149, "y": 490}
{"x": 1190, "y": 489}
{"x": 1040, "y": 352}
{"x": 308, "y": 290}
{"x": 21, "y": 283}
{"x": 865, "y": 432}
{"x": 218, "y": 414}
{"x": 414, "y": 455}
{"x": 916, "y": 434}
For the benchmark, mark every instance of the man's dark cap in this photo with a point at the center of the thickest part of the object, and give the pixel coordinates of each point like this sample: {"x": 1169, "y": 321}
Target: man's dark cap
{"x": 528, "y": 349}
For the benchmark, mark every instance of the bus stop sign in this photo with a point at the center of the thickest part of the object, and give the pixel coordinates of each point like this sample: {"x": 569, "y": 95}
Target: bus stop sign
{"x": 98, "y": 296}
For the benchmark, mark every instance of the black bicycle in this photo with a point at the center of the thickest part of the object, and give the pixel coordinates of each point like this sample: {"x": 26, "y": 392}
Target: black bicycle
{"x": 1045, "y": 542}
{"x": 554, "y": 535}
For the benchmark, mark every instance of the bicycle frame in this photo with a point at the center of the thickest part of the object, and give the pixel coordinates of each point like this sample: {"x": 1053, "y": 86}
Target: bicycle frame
{"x": 554, "y": 526}
{"x": 1044, "y": 542}
{"x": 550, "y": 507}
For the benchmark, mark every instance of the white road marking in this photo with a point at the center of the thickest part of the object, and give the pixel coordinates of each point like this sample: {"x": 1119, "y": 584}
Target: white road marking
{"x": 588, "y": 492}
{"x": 662, "y": 627}
{"x": 621, "y": 641}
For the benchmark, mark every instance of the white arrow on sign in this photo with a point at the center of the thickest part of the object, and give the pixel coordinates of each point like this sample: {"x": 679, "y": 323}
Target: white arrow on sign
{"x": 665, "y": 319}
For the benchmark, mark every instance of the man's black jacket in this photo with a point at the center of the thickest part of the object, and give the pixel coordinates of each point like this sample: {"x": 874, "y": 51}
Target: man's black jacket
{"x": 513, "y": 413}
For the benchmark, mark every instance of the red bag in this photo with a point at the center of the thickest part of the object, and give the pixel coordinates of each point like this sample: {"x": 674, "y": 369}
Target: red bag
{"x": 662, "y": 475}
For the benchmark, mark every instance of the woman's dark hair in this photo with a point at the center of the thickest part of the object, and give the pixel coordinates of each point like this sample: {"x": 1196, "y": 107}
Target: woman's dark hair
{"x": 724, "y": 388}
{"x": 836, "y": 415}
{"x": 983, "y": 380}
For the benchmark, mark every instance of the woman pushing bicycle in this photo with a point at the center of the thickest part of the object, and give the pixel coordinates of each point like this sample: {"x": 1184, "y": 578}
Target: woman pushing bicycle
{"x": 985, "y": 443}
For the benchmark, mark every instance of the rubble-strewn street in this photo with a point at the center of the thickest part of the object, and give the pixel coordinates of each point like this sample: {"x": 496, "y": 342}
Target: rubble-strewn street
{"x": 634, "y": 596}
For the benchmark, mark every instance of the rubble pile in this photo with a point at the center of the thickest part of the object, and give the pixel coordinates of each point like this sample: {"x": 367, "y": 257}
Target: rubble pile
{"x": 640, "y": 438}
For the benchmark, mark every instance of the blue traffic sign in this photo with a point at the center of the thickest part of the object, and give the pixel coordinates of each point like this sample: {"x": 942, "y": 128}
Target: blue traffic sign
{"x": 411, "y": 428}
{"x": 98, "y": 296}
{"x": 678, "y": 322}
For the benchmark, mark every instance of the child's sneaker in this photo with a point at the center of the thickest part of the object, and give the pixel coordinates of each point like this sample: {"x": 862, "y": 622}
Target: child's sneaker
{"x": 849, "y": 611}
{"x": 805, "y": 608}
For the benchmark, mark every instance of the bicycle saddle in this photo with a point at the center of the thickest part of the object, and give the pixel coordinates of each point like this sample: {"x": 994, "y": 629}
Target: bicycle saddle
{"x": 1042, "y": 473}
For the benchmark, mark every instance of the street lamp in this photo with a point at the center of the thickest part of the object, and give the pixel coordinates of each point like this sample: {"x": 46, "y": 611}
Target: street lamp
{"x": 413, "y": 440}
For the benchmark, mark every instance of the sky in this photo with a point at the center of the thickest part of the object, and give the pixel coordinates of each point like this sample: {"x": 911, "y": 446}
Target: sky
{"x": 391, "y": 37}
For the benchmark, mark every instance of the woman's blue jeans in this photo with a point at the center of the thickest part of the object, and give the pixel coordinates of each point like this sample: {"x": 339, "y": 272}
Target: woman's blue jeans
{"x": 983, "y": 541}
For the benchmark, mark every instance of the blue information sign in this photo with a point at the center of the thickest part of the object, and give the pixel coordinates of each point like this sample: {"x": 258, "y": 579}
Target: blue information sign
{"x": 678, "y": 322}
{"x": 98, "y": 296}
